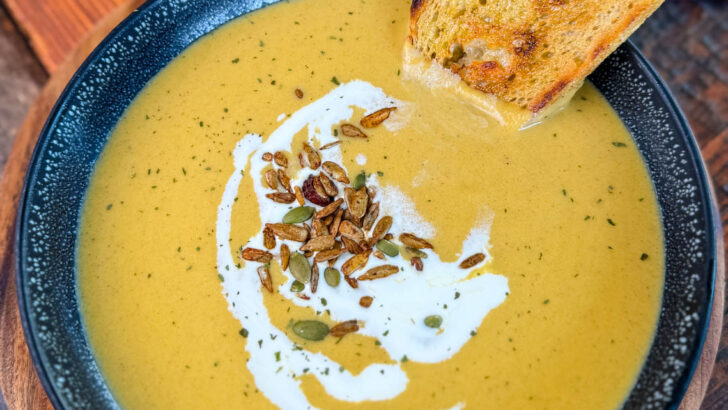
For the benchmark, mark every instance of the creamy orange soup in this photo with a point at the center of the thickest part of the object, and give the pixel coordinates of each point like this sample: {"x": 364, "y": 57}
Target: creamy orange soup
{"x": 563, "y": 307}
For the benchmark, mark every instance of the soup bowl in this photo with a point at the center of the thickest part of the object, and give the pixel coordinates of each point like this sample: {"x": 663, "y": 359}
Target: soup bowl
{"x": 107, "y": 82}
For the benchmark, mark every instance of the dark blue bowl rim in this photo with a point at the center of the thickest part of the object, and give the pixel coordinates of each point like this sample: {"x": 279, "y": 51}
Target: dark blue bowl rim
{"x": 651, "y": 76}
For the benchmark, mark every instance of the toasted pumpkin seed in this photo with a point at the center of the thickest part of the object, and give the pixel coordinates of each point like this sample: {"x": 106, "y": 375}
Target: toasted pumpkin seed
{"x": 314, "y": 277}
{"x": 472, "y": 261}
{"x": 329, "y": 209}
{"x": 297, "y": 286}
{"x": 328, "y": 185}
{"x": 285, "y": 255}
{"x": 355, "y": 263}
{"x": 329, "y": 145}
{"x": 314, "y": 159}
{"x": 319, "y": 243}
{"x": 414, "y": 242}
{"x": 352, "y": 131}
{"x": 344, "y": 328}
{"x": 379, "y": 272}
{"x": 376, "y": 118}
{"x": 281, "y": 197}
{"x": 387, "y": 247}
{"x": 289, "y": 232}
{"x": 351, "y": 231}
{"x": 280, "y": 159}
{"x": 328, "y": 255}
{"x": 351, "y": 281}
{"x": 311, "y": 330}
{"x": 356, "y": 201}
{"x": 271, "y": 179}
{"x": 381, "y": 229}
{"x": 298, "y": 215}
{"x": 332, "y": 277}
{"x": 265, "y": 279}
{"x": 335, "y": 171}
{"x": 299, "y": 267}
{"x": 256, "y": 255}
{"x": 269, "y": 239}
{"x": 371, "y": 216}
{"x": 285, "y": 181}
{"x": 433, "y": 321}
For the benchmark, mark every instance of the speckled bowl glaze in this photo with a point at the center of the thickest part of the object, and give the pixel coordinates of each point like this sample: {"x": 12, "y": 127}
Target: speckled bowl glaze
{"x": 142, "y": 45}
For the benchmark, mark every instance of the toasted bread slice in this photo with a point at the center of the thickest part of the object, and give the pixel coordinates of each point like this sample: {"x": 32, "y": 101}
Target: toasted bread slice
{"x": 529, "y": 52}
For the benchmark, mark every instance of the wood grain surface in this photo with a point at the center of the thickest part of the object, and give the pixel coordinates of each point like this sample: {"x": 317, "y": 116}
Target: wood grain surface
{"x": 56, "y": 27}
{"x": 683, "y": 40}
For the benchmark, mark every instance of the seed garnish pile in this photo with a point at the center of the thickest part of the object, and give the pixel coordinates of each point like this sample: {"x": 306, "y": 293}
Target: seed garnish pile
{"x": 330, "y": 223}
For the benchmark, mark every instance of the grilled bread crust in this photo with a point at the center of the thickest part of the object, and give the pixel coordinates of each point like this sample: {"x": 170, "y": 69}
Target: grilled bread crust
{"x": 527, "y": 52}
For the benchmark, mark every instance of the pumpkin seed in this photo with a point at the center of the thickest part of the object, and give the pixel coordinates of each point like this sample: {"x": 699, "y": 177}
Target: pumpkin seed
{"x": 280, "y": 159}
{"x": 414, "y": 241}
{"x": 299, "y": 267}
{"x": 299, "y": 195}
{"x": 351, "y": 245}
{"x": 329, "y": 209}
{"x": 285, "y": 181}
{"x": 271, "y": 179}
{"x": 289, "y": 232}
{"x": 269, "y": 239}
{"x": 379, "y": 272}
{"x": 344, "y": 328}
{"x": 328, "y": 255}
{"x": 314, "y": 159}
{"x": 297, "y": 286}
{"x": 371, "y": 216}
{"x": 376, "y": 118}
{"x": 359, "y": 181}
{"x": 256, "y": 255}
{"x": 285, "y": 256}
{"x": 298, "y": 215}
{"x": 311, "y": 330}
{"x": 332, "y": 277}
{"x": 314, "y": 278}
{"x": 265, "y": 279}
{"x": 355, "y": 263}
{"x": 356, "y": 201}
{"x": 433, "y": 321}
{"x": 352, "y": 131}
{"x": 387, "y": 247}
{"x": 380, "y": 229}
{"x": 328, "y": 185}
{"x": 472, "y": 261}
{"x": 281, "y": 197}
{"x": 336, "y": 172}
{"x": 319, "y": 243}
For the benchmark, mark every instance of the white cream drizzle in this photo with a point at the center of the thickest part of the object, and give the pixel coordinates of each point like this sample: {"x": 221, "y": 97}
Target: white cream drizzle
{"x": 401, "y": 301}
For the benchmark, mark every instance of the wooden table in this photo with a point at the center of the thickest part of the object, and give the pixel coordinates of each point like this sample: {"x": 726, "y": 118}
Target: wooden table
{"x": 687, "y": 41}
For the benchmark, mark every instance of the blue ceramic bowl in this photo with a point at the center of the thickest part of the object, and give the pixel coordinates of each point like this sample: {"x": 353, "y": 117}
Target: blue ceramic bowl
{"x": 144, "y": 43}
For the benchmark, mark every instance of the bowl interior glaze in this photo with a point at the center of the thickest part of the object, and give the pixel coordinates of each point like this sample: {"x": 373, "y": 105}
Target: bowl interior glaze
{"x": 144, "y": 43}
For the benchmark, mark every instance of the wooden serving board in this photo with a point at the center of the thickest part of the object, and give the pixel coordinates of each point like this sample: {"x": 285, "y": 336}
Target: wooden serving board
{"x": 19, "y": 383}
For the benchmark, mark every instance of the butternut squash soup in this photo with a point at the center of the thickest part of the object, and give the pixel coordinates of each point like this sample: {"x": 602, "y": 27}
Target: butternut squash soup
{"x": 288, "y": 216}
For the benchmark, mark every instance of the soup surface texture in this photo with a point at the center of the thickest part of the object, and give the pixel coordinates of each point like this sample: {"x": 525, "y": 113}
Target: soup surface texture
{"x": 560, "y": 313}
